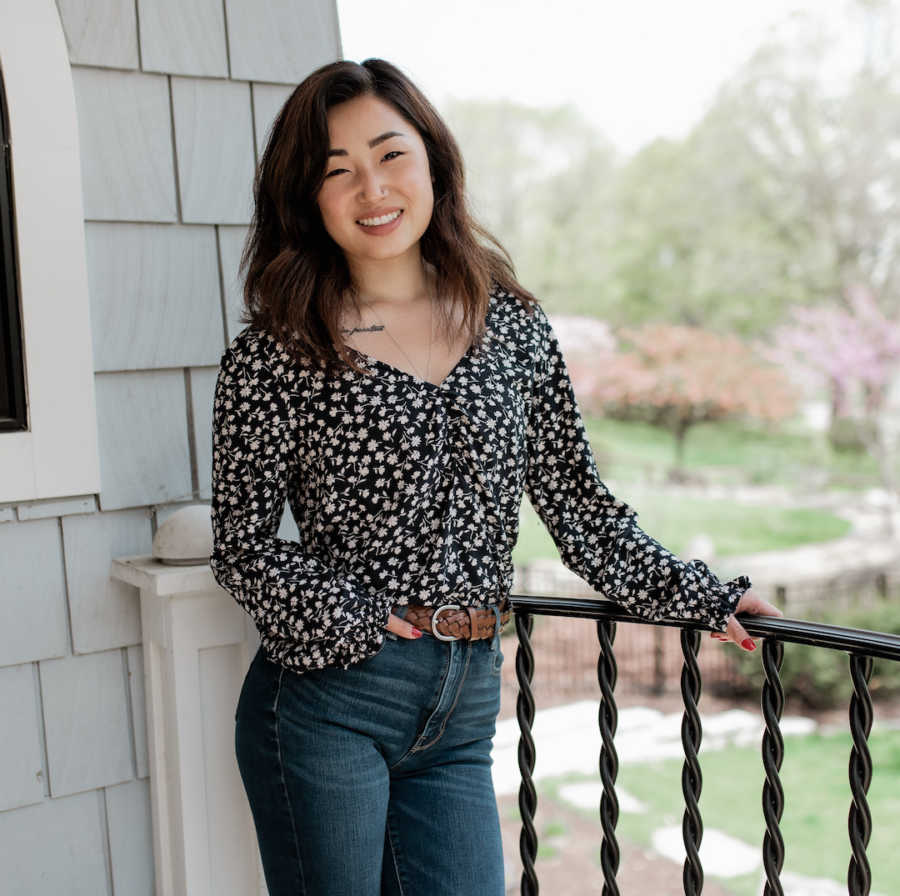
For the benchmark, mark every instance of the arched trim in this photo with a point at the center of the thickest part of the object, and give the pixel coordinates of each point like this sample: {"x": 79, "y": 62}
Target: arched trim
{"x": 57, "y": 456}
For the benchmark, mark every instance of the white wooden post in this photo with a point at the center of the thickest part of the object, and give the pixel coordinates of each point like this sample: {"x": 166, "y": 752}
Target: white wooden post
{"x": 198, "y": 644}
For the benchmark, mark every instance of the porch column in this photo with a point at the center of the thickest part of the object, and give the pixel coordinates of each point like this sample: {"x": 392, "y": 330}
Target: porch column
{"x": 198, "y": 644}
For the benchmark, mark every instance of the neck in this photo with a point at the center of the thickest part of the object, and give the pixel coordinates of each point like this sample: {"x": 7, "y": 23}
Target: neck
{"x": 393, "y": 282}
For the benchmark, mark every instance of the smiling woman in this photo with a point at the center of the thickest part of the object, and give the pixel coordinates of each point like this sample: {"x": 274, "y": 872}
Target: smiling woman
{"x": 377, "y": 187}
{"x": 354, "y": 146}
{"x": 364, "y": 726}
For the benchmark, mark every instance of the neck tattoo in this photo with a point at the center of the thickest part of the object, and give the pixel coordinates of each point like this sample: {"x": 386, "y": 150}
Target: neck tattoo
{"x": 375, "y": 328}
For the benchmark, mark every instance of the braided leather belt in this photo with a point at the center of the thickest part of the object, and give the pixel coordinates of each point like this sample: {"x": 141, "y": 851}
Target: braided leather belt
{"x": 451, "y": 622}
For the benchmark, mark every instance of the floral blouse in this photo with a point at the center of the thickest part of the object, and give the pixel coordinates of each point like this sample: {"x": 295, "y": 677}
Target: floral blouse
{"x": 408, "y": 492}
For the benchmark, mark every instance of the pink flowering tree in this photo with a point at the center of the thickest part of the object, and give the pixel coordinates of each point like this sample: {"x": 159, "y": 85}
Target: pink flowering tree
{"x": 675, "y": 377}
{"x": 588, "y": 344}
{"x": 855, "y": 350}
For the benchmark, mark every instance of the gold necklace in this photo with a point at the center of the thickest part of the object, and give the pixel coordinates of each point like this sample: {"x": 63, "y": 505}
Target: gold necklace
{"x": 400, "y": 347}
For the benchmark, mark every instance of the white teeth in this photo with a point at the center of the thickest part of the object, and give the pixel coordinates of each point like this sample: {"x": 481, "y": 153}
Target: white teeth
{"x": 382, "y": 219}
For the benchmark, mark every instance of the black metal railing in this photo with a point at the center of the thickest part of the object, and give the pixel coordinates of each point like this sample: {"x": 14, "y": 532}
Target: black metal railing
{"x": 862, "y": 647}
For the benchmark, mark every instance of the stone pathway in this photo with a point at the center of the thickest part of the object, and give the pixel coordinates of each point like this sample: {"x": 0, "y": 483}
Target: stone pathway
{"x": 570, "y": 739}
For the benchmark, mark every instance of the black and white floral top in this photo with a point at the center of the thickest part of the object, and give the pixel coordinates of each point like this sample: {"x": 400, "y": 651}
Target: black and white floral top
{"x": 408, "y": 492}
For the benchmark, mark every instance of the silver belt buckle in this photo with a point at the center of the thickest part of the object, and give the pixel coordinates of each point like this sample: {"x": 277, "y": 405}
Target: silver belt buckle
{"x": 434, "y": 621}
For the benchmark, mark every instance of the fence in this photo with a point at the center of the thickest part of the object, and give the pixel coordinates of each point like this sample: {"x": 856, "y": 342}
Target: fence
{"x": 649, "y": 657}
{"x": 862, "y": 647}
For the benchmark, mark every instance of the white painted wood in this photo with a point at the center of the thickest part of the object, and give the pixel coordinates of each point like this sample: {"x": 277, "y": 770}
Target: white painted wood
{"x": 197, "y": 647}
{"x": 142, "y": 418}
{"x": 231, "y": 245}
{"x": 214, "y": 145}
{"x": 103, "y": 612}
{"x": 268, "y": 100}
{"x": 102, "y": 32}
{"x": 203, "y": 386}
{"x": 279, "y": 41}
{"x": 155, "y": 297}
{"x": 56, "y": 847}
{"x": 39, "y": 510}
{"x": 231, "y": 862}
{"x": 183, "y": 38}
{"x": 7, "y": 514}
{"x": 86, "y": 722}
{"x": 130, "y": 838}
{"x": 32, "y": 593}
{"x": 21, "y": 765}
{"x": 138, "y": 709}
{"x": 157, "y": 578}
{"x": 126, "y": 145}
{"x": 58, "y": 455}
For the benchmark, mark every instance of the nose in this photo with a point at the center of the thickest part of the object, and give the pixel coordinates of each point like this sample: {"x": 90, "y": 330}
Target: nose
{"x": 371, "y": 187}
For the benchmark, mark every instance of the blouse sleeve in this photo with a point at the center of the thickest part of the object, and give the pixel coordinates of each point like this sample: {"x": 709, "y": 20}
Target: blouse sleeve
{"x": 303, "y": 609}
{"x": 598, "y": 536}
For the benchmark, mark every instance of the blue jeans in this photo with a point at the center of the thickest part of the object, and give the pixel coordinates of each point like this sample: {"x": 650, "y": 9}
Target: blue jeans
{"x": 375, "y": 780}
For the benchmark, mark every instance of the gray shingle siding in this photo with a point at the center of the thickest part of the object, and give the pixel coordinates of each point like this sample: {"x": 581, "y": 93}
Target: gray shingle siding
{"x": 174, "y": 99}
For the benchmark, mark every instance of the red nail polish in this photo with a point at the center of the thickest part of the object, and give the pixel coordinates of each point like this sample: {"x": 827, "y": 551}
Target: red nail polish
{"x": 748, "y": 644}
{"x": 416, "y": 633}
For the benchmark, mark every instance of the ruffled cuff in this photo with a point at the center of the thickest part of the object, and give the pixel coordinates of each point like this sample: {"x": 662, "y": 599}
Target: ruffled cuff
{"x": 715, "y": 600}
{"x": 651, "y": 582}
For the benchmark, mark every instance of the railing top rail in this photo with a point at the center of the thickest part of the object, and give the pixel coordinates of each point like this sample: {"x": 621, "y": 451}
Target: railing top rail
{"x": 797, "y": 631}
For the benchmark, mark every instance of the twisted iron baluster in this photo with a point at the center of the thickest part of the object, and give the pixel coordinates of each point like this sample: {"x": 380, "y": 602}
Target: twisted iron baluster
{"x": 608, "y": 718}
{"x": 691, "y": 778}
{"x": 527, "y": 793}
{"x": 772, "y": 756}
{"x": 859, "y": 877}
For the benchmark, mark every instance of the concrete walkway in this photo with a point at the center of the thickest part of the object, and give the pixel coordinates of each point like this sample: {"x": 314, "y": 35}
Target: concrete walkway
{"x": 569, "y": 739}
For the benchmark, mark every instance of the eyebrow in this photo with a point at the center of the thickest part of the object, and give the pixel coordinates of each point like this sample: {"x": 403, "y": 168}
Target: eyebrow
{"x": 372, "y": 143}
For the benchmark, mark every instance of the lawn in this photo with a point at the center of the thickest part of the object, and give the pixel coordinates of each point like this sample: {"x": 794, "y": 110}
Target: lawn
{"x": 817, "y": 800}
{"x": 729, "y": 452}
{"x": 733, "y": 528}
{"x": 632, "y": 455}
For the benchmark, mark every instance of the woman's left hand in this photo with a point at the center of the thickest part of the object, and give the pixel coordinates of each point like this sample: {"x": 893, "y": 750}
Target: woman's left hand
{"x": 749, "y": 603}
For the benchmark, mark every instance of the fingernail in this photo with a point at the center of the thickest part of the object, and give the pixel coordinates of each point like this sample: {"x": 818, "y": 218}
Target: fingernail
{"x": 748, "y": 644}
{"x": 416, "y": 633}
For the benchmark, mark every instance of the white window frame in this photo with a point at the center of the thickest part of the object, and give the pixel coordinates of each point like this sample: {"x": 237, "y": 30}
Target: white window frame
{"x": 57, "y": 456}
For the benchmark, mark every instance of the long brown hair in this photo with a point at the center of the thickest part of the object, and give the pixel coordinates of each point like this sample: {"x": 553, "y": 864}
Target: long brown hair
{"x": 297, "y": 278}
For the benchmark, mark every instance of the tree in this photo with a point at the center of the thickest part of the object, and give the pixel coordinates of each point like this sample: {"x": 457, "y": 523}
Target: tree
{"x": 674, "y": 377}
{"x": 855, "y": 350}
{"x": 541, "y": 179}
{"x": 820, "y": 156}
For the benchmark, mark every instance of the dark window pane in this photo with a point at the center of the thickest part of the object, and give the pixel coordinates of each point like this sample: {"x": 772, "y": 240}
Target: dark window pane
{"x": 12, "y": 379}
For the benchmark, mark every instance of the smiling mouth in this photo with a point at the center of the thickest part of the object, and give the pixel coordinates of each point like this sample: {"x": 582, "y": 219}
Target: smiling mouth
{"x": 381, "y": 219}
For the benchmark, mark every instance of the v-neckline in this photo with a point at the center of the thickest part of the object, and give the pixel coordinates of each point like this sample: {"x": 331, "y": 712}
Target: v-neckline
{"x": 399, "y": 371}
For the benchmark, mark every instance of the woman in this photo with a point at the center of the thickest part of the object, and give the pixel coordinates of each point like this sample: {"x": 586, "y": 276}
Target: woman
{"x": 401, "y": 389}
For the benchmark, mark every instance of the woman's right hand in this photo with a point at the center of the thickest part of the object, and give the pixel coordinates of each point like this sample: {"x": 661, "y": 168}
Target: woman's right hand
{"x": 402, "y": 628}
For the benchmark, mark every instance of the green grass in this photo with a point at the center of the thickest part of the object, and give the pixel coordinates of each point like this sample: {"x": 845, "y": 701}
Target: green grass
{"x": 733, "y": 528}
{"x": 728, "y": 452}
{"x": 817, "y": 800}
{"x": 634, "y": 454}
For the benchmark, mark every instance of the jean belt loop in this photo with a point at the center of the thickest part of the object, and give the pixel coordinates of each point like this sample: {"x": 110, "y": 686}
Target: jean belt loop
{"x": 495, "y": 641}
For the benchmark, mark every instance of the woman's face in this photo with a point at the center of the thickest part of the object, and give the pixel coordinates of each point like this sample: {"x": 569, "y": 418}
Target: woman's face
{"x": 377, "y": 197}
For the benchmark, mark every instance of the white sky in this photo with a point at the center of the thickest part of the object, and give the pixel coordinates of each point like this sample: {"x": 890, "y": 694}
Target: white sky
{"x": 636, "y": 68}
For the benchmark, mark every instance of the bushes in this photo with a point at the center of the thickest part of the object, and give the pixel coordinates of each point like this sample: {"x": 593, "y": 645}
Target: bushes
{"x": 819, "y": 676}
